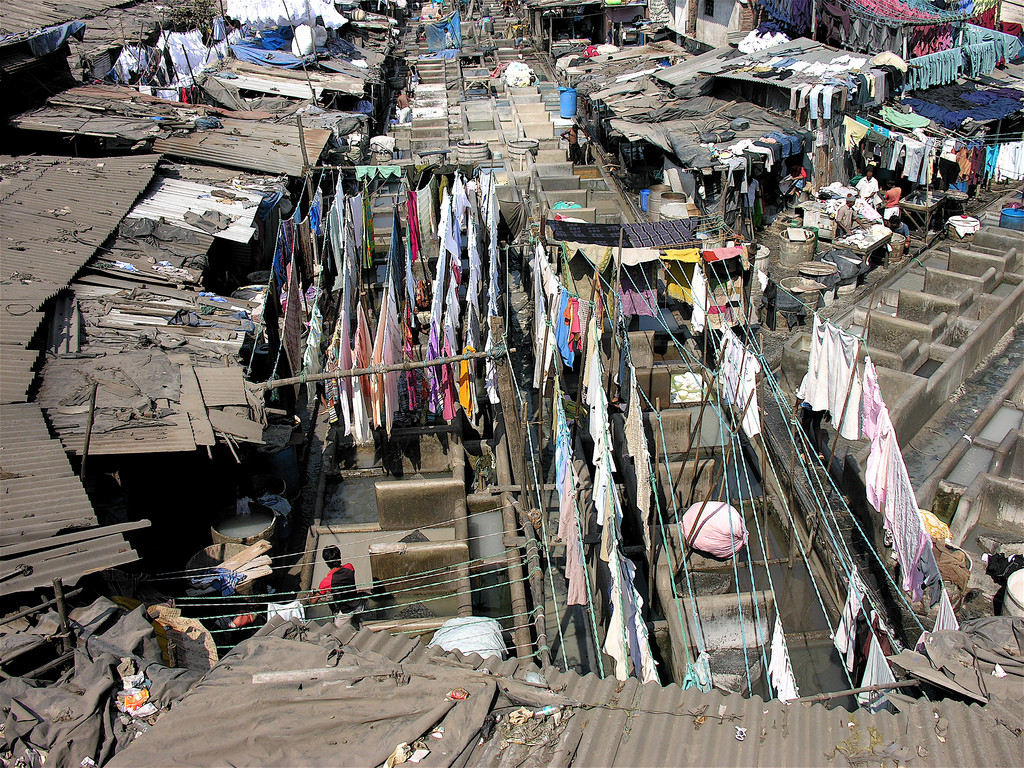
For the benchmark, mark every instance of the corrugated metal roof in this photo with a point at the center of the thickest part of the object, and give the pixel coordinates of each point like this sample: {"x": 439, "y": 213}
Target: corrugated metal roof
{"x": 173, "y": 199}
{"x": 41, "y": 496}
{"x": 254, "y": 146}
{"x": 24, "y": 15}
{"x": 56, "y": 211}
{"x": 613, "y": 723}
{"x": 283, "y": 82}
{"x": 16, "y": 372}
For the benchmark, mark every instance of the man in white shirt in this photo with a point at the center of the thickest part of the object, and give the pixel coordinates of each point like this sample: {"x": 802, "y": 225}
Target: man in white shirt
{"x": 867, "y": 187}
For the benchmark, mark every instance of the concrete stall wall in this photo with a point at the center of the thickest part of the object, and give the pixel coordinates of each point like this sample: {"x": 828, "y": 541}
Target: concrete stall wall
{"x": 713, "y": 29}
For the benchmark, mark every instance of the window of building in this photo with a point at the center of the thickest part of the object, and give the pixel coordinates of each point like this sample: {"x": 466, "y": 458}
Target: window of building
{"x": 709, "y": 7}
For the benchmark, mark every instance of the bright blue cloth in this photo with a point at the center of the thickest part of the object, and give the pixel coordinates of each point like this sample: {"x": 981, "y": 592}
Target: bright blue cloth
{"x": 562, "y": 331}
{"x": 444, "y": 35}
{"x": 50, "y": 39}
{"x": 257, "y": 55}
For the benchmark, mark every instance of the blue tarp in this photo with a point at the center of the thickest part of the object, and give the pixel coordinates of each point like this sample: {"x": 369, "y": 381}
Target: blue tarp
{"x": 257, "y": 55}
{"x": 448, "y": 53}
{"x": 48, "y": 39}
{"x": 445, "y": 34}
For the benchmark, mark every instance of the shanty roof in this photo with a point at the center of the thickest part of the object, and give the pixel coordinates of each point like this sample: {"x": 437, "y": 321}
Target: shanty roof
{"x": 47, "y": 526}
{"x": 285, "y": 82}
{"x": 114, "y": 111}
{"x": 314, "y": 695}
{"x": 55, "y": 213}
{"x": 689, "y": 125}
{"x": 730, "y": 62}
{"x": 254, "y": 146}
{"x": 26, "y": 15}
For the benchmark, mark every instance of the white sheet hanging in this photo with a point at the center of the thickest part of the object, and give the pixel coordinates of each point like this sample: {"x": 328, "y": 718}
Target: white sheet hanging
{"x": 780, "y": 669}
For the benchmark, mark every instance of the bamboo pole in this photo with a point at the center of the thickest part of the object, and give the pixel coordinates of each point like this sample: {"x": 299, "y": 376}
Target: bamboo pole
{"x": 379, "y": 369}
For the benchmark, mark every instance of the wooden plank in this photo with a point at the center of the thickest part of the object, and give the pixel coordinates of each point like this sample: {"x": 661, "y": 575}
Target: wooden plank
{"x": 191, "y": 400}
{"x": 236, "y": 426}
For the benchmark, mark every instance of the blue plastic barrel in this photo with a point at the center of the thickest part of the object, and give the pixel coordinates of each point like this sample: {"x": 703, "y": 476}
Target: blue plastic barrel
{"x": 568, "y": 102}
{"x": 645, "y": 195}
{"x": 1012, "y": 218}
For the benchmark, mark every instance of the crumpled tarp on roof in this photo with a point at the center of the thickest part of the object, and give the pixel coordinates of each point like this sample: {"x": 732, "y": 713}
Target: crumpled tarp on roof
{"x": 323, "y": 714}
{"x": 708, "y": 115}
{"x": 76, "y": 720}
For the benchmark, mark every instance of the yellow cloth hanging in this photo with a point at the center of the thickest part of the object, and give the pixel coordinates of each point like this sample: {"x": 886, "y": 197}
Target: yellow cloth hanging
{"x": 466, "y": 383}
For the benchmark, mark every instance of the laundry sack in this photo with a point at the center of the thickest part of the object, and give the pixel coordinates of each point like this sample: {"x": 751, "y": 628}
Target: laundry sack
{"x": 715, "y": 528}
{"x": 470, "y": 634}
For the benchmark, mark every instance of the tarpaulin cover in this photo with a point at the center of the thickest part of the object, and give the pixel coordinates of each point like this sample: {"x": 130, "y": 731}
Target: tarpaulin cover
{"x": 254, "y": 54}
{"x": 346, "y": 720}
{"x": 965, "y": 661}
{"x": 77, "y": 717}
{"x": 445, "y": 34}
{"x": 51, "y": 39}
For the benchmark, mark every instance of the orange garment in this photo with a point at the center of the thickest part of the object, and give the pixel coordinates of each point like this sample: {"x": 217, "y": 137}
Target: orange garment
{"x": 466, "y": 398}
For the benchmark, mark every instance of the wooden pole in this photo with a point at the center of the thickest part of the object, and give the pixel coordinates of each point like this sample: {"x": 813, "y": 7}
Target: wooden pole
{"x": 88, "y": 429}
{"x": 378, "y": 369}
{"x": 62, "y": 614}
{"x": 514, "y": 563}
{"x": 851, "y": 691}
{"x": 302, "y": 59}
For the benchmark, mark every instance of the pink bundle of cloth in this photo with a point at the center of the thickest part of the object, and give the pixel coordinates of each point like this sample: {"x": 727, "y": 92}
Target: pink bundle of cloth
{"x": 715, "y": 528}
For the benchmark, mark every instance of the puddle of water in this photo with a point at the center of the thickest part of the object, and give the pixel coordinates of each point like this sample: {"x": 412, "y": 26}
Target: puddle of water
{"x": 974, "y": 462}
{"x": 1003, "y": 289}
{"x": 1005, "y": 420}
{"x": 930, "y": 366}
{"x": 243, "y": 527}
{"x": 351, "y": 501}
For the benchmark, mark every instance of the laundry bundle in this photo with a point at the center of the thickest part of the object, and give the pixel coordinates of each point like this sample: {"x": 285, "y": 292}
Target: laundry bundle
{"x": 715, "y": 527}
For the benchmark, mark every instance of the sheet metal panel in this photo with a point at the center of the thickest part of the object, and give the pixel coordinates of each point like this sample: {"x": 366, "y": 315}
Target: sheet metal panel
{"x": 25, "y": 15}
{"x": 261, "y": 147}
{"x": 171, "y": 199}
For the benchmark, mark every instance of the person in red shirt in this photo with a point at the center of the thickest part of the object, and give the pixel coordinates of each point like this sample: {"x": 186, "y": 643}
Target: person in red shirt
{"x": 339, "y": 585}
{"x": 891, "y": 196}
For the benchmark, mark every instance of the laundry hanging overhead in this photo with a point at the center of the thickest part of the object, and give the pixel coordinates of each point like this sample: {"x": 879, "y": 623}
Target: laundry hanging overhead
{"x": 831, "y": 383}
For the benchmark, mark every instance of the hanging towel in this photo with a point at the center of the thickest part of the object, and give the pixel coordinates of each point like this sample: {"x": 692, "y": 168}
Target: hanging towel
{"x": 846, "y": 632}
{"x": 877, "y": 672}
{"x": 780, "y": 669}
